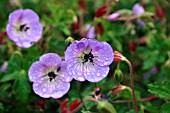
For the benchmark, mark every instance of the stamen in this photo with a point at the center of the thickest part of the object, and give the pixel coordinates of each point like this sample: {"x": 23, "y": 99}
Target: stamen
{"x": 24, "y": 28}
{"x": 87, "y": 57}
{"x": 58, "y": 69}
{"x": 51, "y": 75}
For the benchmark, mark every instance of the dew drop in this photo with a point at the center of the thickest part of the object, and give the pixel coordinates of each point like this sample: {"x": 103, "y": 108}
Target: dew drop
{"x": 44, "y": 89}
{"x": 98, "y": 74}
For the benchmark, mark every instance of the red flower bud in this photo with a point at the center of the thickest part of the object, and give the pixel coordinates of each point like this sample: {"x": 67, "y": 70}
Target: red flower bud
{"x": 160, "y": 12}
{"x": 118, "y": 56}
{"x": 99, "y": 28}
{"x": 82, "y": 5}
{"x": 132, "y": 46}
{"x": 117, "y": 89}
{"x": 101, "y": 11}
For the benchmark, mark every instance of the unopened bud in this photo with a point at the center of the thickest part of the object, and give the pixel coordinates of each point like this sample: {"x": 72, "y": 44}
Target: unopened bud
{"x": 69, "y": 40}
{"x": 118, "y": 57}
{"x": 118, "y": 76}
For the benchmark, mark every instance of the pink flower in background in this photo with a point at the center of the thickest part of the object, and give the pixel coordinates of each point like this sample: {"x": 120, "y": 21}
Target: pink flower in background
{"x": 90, "y": 31}
{"x": 113, "y": 16}
{"x": 3, "y": 68}
{"x": 138, "y": 10}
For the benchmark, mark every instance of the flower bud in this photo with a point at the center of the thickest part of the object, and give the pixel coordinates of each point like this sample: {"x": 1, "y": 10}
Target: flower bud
{"x": 118, "y": 57}
{"x": 118, "y": 76}
{"x": 69, "y": 40}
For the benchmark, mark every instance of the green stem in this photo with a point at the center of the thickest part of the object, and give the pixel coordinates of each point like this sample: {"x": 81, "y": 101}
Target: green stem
{"x": 79, "y": 93}
{"x": 85, "y": 101}
{"x": 135, "y": 104}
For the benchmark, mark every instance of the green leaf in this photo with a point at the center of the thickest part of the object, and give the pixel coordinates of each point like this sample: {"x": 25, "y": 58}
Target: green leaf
{"x": 125, "y": 12}
{"x": 14, "y": 63}
{"x": 1, "y": 107}
{"x": 9, "y": 77}
{"x": 21, "y": 87}
{"x": 162, "y": 90}
{"x": 165, "y": 108}
{"x": 106, "y": 107}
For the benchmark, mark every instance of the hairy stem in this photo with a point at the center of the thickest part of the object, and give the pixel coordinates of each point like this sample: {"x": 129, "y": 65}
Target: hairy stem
{"x": 135, "y": 104}
{"x": 79, "y": 93}
{"x": 82, "y": 104}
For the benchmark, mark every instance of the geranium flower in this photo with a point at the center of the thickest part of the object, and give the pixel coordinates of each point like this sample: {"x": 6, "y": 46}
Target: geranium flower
{"x": 89, "y": 60}
{"x": 49, "y": 76}
{"x": 24, "y": 27}
{"x": 90, "y": 31}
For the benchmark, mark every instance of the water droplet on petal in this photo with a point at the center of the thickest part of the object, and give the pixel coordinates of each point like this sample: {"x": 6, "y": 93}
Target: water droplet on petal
{"x": 44, "y": 89}
{"x": 80, "y": 78}
{"x": 98, "y": 74}
{"x": 70, "y": 73}
{"x": 79, "y": 74}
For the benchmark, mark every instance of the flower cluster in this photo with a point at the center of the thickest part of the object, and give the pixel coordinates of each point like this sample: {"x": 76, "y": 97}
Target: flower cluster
{"x": 86, "y": 59}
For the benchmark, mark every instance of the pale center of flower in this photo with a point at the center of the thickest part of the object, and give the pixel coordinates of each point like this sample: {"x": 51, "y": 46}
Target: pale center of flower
{"x": 52, "y": 74}
{"x": 24, "y": 28}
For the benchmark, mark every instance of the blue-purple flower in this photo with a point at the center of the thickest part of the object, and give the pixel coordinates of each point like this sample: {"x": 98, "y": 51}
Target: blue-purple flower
{"x": 49, "y": 76}
{"x": 90, "y": 31}
{"x": 24, "y": 27}
{"x": 89, "y": 60}
{"x": 138, "y": 10}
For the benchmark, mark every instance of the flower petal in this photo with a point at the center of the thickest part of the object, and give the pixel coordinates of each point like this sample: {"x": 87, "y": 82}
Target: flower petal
{"x": 75, "y": 69}
{"x": 55, "y": 89}
{"x": 102, "y": 52}
{"x": 30, "y": 16}
{"x": 51, "y": 60}
{"x": 95, "y": 73}
{"x": 75, "y": 49}
{"x": 15, "y": 16}
{"x": 35, "y": 31}
{"x": 64, "y": 73}
{"x": 12, "y": 33}
{"x": 36, "y": 71}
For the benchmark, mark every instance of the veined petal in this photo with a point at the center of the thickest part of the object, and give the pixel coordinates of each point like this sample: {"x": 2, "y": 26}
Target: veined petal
{"x": 54, "y": 89}
{"x": 30, "y": 16}
{"x": 102, "y": 52}
{"x": 75, "y": 69}
{"x": 15, "y": 17}
{"x": 63, "y": 73}
{"x": 35, "y": 31}
{"x": 37, "y": 71}
{"x": 51, "y": 60}
{"x": 96, "y": 73}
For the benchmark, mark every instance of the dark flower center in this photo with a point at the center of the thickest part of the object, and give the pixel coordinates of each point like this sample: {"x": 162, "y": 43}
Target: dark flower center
{"x": 52, "y": 75}
{"x": 24, "y": 28}
{"x": 88, "y": 57}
